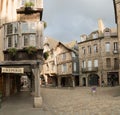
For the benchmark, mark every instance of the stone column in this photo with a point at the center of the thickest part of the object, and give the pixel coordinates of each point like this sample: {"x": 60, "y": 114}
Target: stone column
{"x": 37, "y": 97}
{"x": 59, "y": 81}
{"x": 86, "y": 81}
{"x": 119, "y": 77}
{"x": 73, "y": 81}
{"x": 8, "y": 85}
{"x": 32, "y": 84}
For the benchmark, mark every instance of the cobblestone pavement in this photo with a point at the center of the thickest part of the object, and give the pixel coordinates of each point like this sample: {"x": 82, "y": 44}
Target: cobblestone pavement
{"x": 21, "y": 104}
{"x": 81, "y": 101}
{"x": 66, "y": 101}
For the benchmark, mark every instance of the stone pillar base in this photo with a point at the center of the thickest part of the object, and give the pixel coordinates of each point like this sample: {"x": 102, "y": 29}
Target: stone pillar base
{"x": 37, "y": 102}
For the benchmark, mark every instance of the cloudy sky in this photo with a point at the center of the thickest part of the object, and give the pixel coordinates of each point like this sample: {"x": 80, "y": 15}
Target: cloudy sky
{"x": 68, "y": 19}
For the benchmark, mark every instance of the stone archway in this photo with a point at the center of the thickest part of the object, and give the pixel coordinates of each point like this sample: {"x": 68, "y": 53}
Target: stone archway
{"x": 93, "y": 79}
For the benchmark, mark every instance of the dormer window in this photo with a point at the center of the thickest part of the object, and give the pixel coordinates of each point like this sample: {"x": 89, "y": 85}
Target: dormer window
{"x": 83, "y": 37}
{"x": 95, "y": 35}
{"x": 107, "y": 32}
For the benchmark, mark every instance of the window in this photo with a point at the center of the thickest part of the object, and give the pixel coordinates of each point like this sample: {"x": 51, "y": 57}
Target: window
{"x": 26, "y": 40}
{"x": 107, "y": 47}
{"x": 73, "y": 54}
{"x": 115, "y": 45}
{"x": 83, "y": 50}
{"x": 9, "y": 29}
{"x": 95, "y": 35}
{"x": 89, "y": 65}
{"x": 10, "y": 42}
{"x": 95, "y": 48}
{"x": 83, "y": 64}
{"x": 32, "y": 27}
{"x": 64, "y": 68}
{"x": 15, "y": 28}
{"x": 107, "y": 33}
{"x": 28, "y": 27}
{"x": 32, "y": 39}
{"x": 75, "y": 66}
{"x": 15, "y": 41}
{"x": 64, "y": 56}
{"x": 89, "y": 49}
{"x": 116, "y": 63}
{"x": 24, "y": 27}
{"x": 108, "y": 62}
{"x": 95, "y": 63}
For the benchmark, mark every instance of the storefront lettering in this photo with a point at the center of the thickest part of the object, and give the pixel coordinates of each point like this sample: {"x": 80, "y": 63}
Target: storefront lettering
{"x": 12, "y": 70}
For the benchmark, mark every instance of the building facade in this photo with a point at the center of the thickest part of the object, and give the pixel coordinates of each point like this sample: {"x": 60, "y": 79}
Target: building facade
{"x": 61, "y": 66}
{"x": 117, "y": 20}
{"x": 49, "y": 71}
{"x": 22, "y": 45}
{"x": 99, "y": 58}
{"x": 67, "y": 65}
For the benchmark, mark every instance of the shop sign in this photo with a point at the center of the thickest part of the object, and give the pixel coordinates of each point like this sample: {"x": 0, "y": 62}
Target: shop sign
{"x": 12, "y": 70}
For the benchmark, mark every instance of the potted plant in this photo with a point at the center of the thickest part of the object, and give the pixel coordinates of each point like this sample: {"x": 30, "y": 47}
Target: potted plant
{"x": 12, "y": 53}
{"x": 31, "y": 50}
{"x": 46, "y": 55}
{"x": 28, "y": 7}
{"x": 45, "y": 24}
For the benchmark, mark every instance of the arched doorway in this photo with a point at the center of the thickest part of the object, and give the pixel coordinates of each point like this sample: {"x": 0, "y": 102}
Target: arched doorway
{"x": 84, "y": 81}
{"x": 113, "y": 78}
{"x": 93, "y": 79}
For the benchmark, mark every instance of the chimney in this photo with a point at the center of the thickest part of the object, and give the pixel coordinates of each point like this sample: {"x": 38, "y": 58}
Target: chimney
{"x": 100, "y": 26}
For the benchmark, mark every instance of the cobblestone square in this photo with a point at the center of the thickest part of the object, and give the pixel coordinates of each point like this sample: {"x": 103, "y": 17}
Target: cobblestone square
{"x": 66, "y": 101}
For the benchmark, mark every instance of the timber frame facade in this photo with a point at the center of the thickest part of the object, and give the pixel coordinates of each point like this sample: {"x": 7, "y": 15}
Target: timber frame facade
{"x": 61, "y": 68}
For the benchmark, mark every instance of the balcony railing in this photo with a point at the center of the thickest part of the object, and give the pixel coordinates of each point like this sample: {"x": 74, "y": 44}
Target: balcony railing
{"x": 89, "y": 69}
{"x": 115, "y": 51}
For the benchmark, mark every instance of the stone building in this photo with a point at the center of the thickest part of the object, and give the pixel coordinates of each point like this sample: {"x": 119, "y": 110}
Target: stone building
{"x": 117, "y": 20}
{"x": 22, "y": 45}
{"x": 99, "y": 58}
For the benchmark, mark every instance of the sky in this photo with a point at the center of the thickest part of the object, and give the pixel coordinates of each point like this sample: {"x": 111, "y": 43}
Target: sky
{"x": 68, "y": 19}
